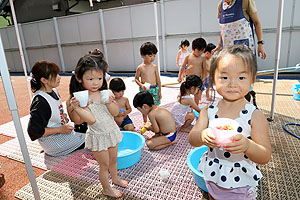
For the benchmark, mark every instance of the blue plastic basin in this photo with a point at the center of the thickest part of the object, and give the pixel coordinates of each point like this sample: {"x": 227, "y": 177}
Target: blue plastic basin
{"x": 192, "y": 161}
{"x": 130, "y": 149}
{"x": 295, "y": 90}
{"x": 196, "y": 113}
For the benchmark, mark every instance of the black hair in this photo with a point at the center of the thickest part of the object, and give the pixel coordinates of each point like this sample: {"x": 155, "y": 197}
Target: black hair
{"x": 253, "y": 95}
{"x": 142, "y": 98}
{"x": 191, "y": 80}
{"x": 148, "y": 48}
{"x": 209, "y": 47}
{"x": 198, "y": 43}
{"x": 86, "y": 63}
{"x": 117, "y": 85}
{"x": 42, "y": 69}
{"x": 184, "y": 43}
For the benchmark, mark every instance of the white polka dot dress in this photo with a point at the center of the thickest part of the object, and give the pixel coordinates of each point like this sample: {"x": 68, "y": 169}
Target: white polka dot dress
{"x": 229, "y": 170}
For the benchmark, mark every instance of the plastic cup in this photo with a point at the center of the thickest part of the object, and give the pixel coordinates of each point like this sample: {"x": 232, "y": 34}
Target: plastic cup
{"x": 220, "y": 129}
{"x": 83, "y": 97}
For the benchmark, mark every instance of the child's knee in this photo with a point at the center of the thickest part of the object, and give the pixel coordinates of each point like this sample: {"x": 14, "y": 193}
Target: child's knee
{"x": 150, "y": 145}
{"x": 190, "y": 116}
{"x": 129, "y": 128}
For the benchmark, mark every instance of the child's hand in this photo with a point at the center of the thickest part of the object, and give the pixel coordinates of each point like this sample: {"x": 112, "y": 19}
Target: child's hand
{"x": 159, "y": 95}
{"x": 240, "y": 144}
{"x": 208, "y": 138}
{"x": 179, "y": 79}
{"x": 66, "y": 128}
{"x": 74, "y": 102}
{"x": 144, "y": 88}
{"x": 110, "y": 99}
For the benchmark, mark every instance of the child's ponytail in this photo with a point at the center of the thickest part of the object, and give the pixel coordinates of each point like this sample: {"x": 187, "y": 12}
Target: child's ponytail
{"x": 74, "y": 86}
{"x": 191, "y": 80}
{"x": 182, "y": 89}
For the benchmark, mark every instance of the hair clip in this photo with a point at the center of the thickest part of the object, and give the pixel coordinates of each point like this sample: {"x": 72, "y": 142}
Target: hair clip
{"x": 31, "y": 78}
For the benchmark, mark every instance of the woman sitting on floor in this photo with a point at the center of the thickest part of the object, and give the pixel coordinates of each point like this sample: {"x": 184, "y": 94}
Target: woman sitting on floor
{"x": 48, "y": 122}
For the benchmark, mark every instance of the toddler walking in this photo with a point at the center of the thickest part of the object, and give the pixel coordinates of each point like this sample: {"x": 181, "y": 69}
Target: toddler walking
{"x": 231, "y": 172}
{"x": 182, "y": 110}
{"x": 103, "y": 134}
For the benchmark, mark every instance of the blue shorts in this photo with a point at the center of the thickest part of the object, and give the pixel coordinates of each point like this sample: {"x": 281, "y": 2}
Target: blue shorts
{"x": 126, "y": 122}
{"x": 170, "y": 136}
{"x": 205, "y": 83}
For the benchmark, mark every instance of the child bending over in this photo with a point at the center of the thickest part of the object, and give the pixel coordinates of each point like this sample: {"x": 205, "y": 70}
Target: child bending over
{"x": 162, "y": 121}
{"x": 182, "y": 110}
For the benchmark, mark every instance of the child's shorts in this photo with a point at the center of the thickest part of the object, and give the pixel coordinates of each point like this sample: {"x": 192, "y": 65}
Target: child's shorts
{"x": 205, "y": 83}
{"x": 218, "y": 193}
{"x": 170, "y": 136}
{"x": 154, "y": 90}
{"x": 126, "y": 122}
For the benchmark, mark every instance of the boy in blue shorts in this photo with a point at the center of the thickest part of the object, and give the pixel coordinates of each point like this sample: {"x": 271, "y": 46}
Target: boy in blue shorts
{"x": 205, "y": 79}
{"x": 147, "y": 73}
{"x": 162, "y": 121}
{"x": 117, "y": 86}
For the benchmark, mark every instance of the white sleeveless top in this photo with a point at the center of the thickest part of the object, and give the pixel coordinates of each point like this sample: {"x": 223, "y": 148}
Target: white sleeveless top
{"x": 182, "y": 56}
{"x": 179, "y": 111}
{"x": 229, "y": 170}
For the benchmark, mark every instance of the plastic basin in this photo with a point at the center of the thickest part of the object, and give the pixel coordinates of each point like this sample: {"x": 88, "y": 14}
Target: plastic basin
{"x": 192, "y": 161}
{"x": 196, "y": 113}
{"x": 130, "y": 149}
{"x": 295, "y": 90}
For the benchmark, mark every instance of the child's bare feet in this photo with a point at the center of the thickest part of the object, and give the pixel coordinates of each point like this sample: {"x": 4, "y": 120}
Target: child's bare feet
{"x": 120, "y": 182}
{"x": 112, "y": 193}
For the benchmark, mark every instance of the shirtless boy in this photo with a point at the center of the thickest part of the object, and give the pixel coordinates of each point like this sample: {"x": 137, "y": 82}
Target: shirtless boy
{"x": 162, "y": 121}
{"x": 117, "y": 86}
{"x": 147, "y": 72}
{"x": 195, "y": 62}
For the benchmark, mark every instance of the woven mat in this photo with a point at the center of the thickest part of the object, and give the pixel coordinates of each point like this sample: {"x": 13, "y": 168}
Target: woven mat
{"x": 76, "y": 176}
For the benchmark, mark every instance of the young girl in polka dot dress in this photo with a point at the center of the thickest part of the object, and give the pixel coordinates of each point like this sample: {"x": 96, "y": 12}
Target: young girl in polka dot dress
{"x": 231, "y": 172}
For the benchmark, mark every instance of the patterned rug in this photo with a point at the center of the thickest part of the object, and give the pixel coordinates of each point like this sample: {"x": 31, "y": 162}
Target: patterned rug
{"x": 76, "y": 175}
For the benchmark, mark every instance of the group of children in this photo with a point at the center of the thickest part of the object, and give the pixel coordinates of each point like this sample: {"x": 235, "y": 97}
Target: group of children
{"x": 231, "y": 169}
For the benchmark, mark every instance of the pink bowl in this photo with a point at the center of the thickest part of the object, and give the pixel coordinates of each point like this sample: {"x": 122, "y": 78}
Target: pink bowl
{"x": 223, "y": 136}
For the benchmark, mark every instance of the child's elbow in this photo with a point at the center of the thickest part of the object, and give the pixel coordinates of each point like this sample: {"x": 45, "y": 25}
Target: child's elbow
{"x": 91, "y": 121}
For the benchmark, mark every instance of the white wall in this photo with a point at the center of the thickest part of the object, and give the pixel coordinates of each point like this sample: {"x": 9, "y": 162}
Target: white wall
{"x": 126, "y": 28}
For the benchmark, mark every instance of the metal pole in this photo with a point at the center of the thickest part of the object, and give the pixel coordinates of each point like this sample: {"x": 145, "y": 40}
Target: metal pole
{"x": 20, "y": 46}
{"x": 277, "y": 55}
{"x": 103, "y": 34}
{"x": 61, "y": 56}
{"x": 157, "y": 36}
{"x": 163, "y": 33}
{"x": 11, "y": 101}
{"x": 24, "y": 47}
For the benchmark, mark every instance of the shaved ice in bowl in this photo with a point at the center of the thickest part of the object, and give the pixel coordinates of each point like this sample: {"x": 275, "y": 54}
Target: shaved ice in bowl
{"x": 223, "y": 129}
